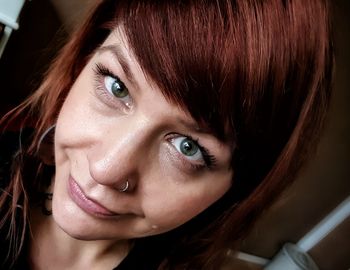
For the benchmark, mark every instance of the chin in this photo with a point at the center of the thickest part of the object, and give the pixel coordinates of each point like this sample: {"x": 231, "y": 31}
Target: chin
{"x": 77, "y": 229}
{"x": 71, "y": 222}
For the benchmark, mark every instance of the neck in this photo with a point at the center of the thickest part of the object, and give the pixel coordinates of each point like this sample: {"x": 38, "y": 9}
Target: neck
{"x": 50, "y": 247}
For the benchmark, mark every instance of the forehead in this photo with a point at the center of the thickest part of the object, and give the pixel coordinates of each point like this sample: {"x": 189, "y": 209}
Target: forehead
{"x": 119, "y": 54}
{"x": 117, "y": 45}
{"x": 182, "y": 80}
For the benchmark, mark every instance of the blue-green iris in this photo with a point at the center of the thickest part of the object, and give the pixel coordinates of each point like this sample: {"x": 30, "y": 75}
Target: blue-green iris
{"x": 188, "y": 147}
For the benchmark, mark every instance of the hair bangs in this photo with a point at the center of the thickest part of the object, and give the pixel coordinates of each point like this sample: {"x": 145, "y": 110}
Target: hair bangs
{"x": 184, "y": 56}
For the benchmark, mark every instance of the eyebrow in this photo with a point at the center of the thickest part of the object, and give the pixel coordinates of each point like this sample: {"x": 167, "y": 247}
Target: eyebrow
{"x": 120, "y": 57}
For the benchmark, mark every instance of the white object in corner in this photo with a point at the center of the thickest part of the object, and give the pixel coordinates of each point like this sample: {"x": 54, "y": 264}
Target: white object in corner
{"x": 291, "y": 257}
{"x": 5, "y": 37}
{"x": 326, "y": 226}
{"x": 9, "y": 12}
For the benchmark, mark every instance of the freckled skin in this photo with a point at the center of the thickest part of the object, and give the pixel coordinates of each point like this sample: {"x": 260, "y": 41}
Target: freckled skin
{"x": 101, "y": 144}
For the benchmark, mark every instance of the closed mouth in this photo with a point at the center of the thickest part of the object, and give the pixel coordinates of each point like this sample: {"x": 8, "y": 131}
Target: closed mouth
{"x": 86, "y": 204}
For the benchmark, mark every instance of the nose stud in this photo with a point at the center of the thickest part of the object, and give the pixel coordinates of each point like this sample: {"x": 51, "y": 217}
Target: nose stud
{"x": 125, "y": 187}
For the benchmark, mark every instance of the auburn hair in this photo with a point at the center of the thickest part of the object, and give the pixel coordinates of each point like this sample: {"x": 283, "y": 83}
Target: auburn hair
{"x": 257, "y": 73}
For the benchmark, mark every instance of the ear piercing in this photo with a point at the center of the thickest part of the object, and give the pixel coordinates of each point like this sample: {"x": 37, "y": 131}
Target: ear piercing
{"x": 125, "y": 187}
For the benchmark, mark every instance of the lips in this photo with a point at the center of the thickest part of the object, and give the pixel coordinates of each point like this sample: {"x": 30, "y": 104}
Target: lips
{"x": 86, "y": 204}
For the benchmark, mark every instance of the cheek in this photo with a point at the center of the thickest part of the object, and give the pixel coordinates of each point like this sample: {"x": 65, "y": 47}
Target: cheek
{"x": 76, "y": 107}
{"x": 76, "y": 121}
{"x": 175, "y": 206}
{"x": 75, "y": 111}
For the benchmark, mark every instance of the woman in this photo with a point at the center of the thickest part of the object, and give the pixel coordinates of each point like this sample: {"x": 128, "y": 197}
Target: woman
{"x": 175, "y": 124}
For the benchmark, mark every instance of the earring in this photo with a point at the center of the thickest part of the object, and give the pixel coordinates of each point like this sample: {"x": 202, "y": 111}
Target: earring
{"x": 125, "y": 187}
{"x": 45, "y": 146}
{"x": 46, "y": 200}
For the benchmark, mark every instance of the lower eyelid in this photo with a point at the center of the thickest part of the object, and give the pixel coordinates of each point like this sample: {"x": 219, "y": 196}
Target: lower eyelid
{"x": 102, "y": 93}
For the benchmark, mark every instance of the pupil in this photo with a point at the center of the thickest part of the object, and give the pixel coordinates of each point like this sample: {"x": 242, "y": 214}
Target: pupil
{"x": 188, "y": 147}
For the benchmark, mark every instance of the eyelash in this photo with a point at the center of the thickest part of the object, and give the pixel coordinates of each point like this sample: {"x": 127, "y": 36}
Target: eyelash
{"x": 104, "y": 71}
{"x": 101, "y": 72}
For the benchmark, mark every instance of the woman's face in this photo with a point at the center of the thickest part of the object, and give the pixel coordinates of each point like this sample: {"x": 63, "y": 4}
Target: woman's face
{"x": 116, "y": 126}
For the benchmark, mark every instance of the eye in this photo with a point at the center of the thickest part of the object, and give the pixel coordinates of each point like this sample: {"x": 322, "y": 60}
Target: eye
{"x": 116, "y": 87}
{"x": 196, "y": 156}
{"x": 188, "y": 148}
{"x": 110, "y": 89}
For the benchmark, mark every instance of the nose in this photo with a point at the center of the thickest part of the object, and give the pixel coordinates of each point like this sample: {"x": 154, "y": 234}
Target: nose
{"x": 119, "y": 153}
